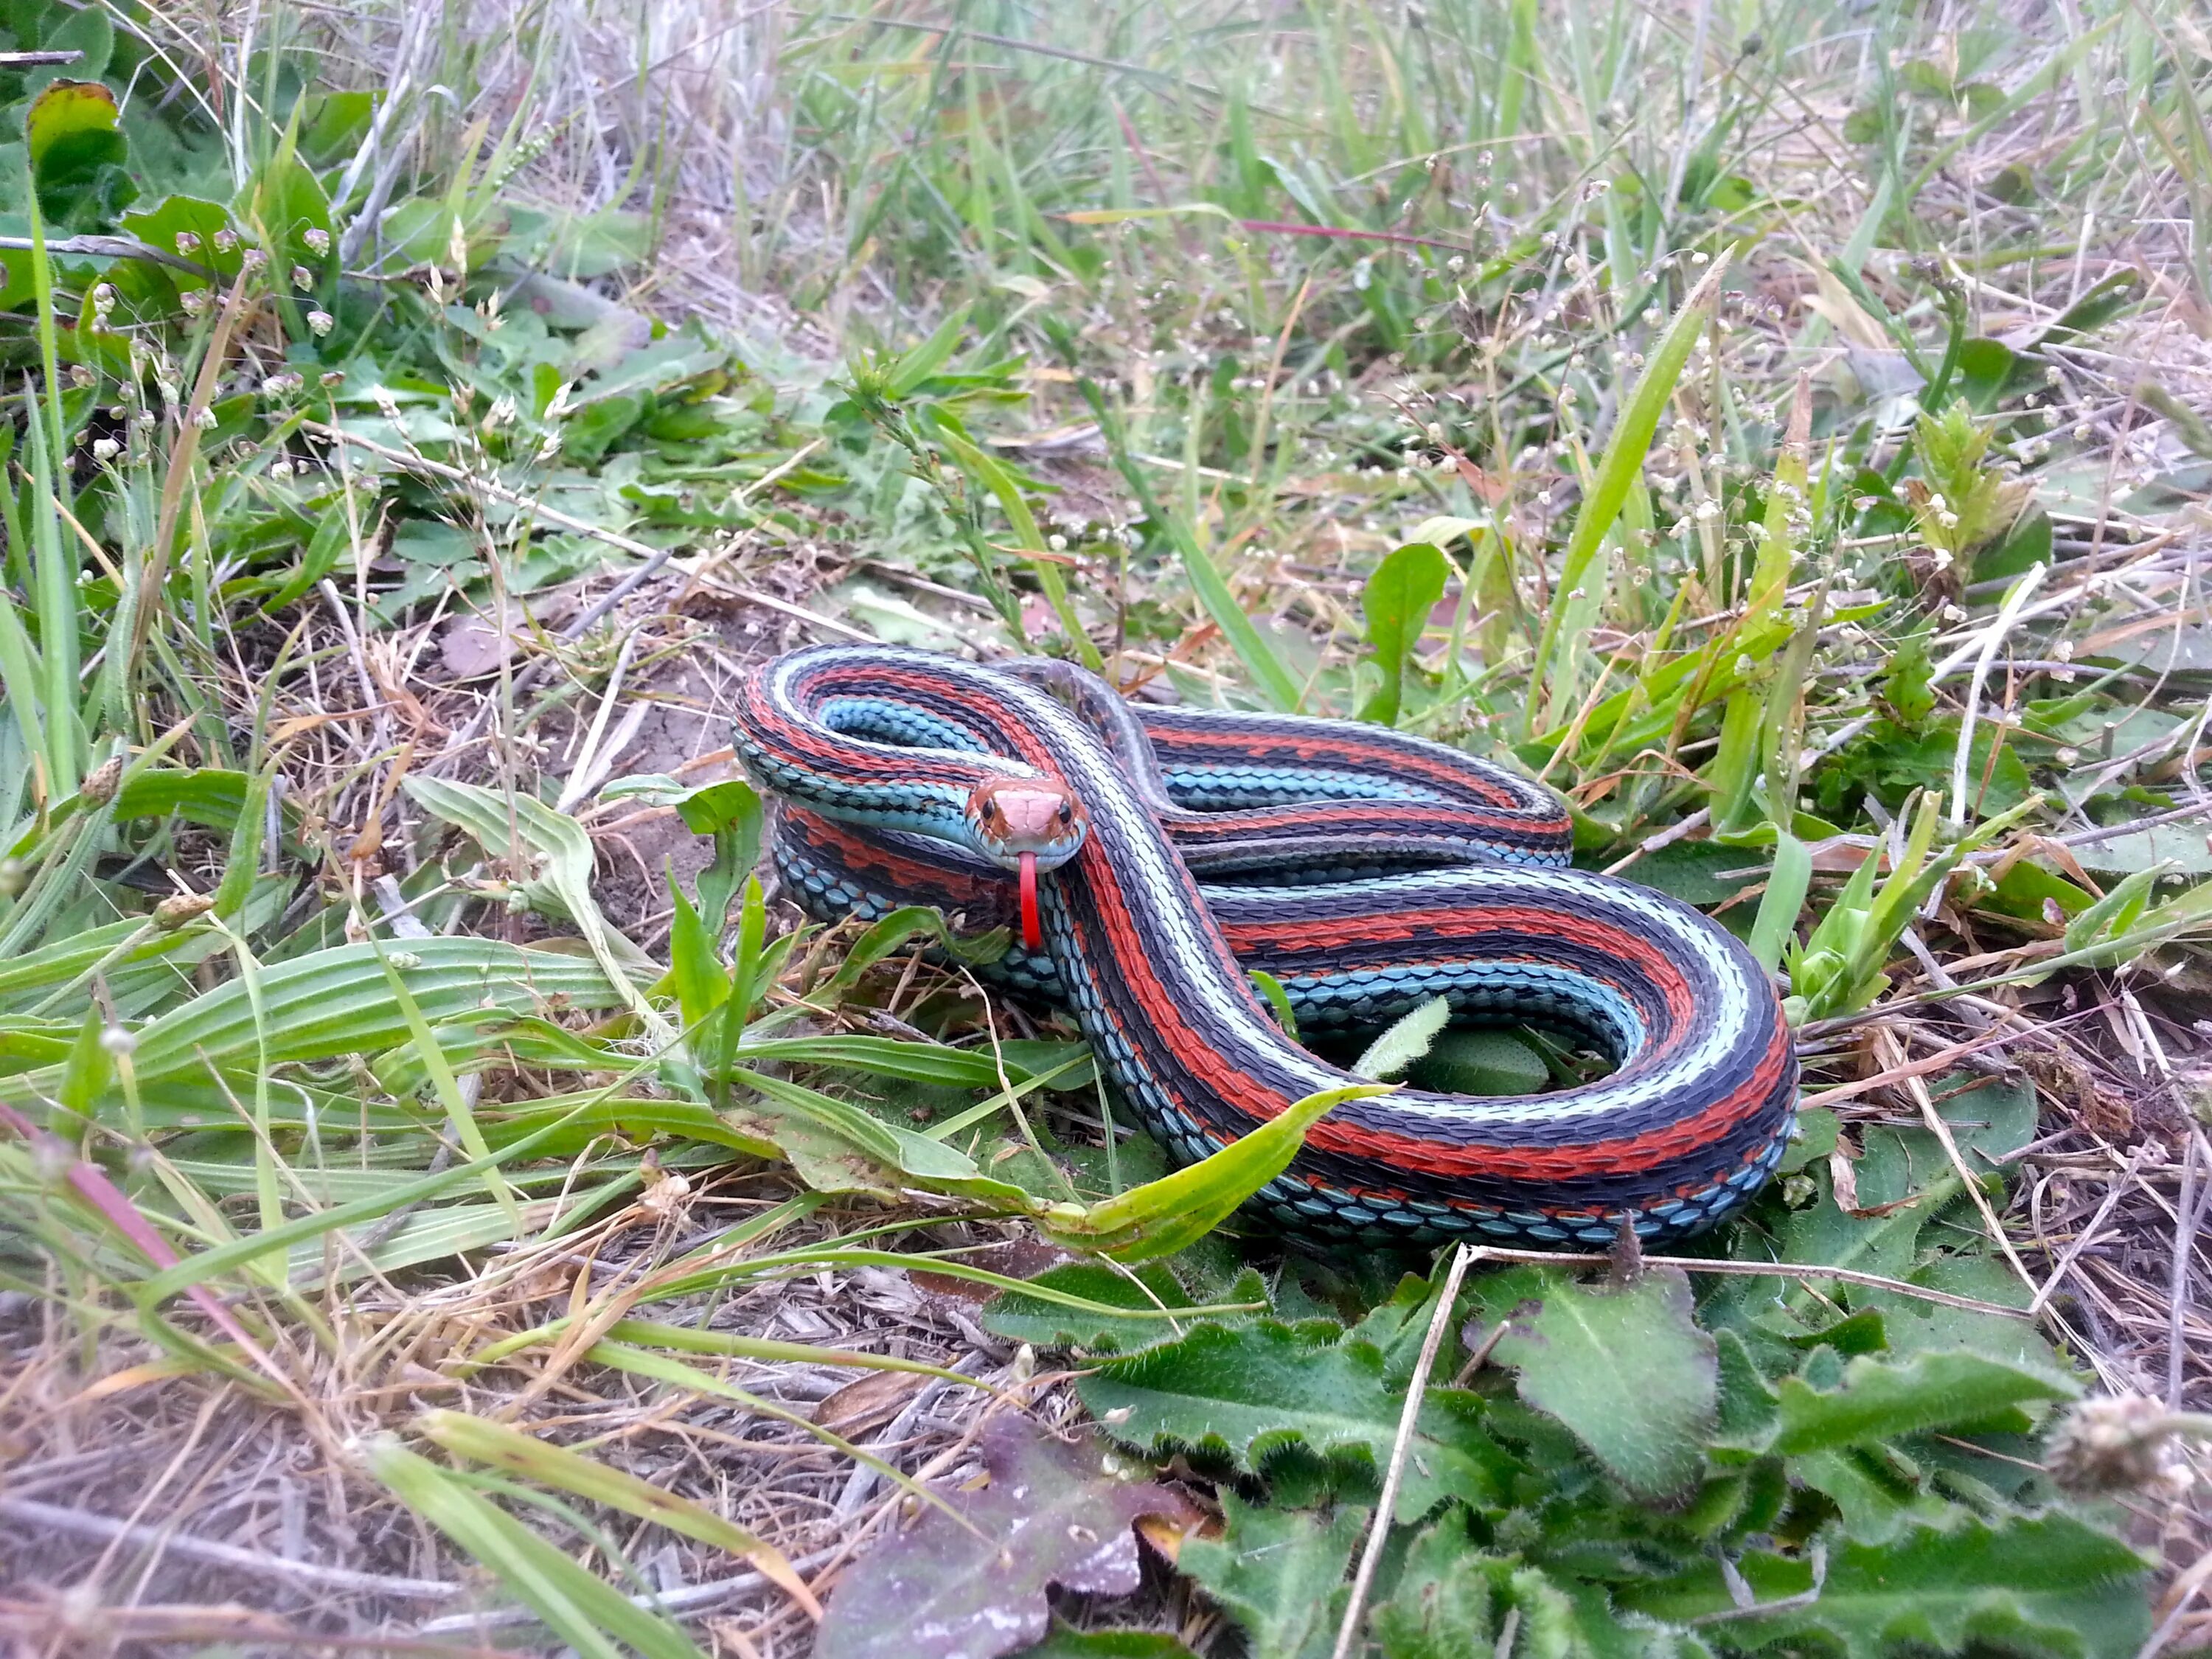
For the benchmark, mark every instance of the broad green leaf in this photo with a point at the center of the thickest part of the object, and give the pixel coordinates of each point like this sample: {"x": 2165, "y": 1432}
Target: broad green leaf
{"x": 1881, "y": 1399}
{"x": 199, "y": 222}
{"x": 2039, "y": 1585}
{"x": 1250, "y": 1392}
{"x": 1481, "y": 1062}
{"x": 336, "y": 1002}
{"x": 1396, "y": 602}
{"x": 559, "y": 845}
{"x": 908, "y": 373}
{"x": 732, "y": 813}
{"x": 1624, "y": 1367}
{"x": 77, "y": 155}
{"x": 902, "y": 926}
{"x": 1880, "y": 1493}
{"x": 1786, "y": 887}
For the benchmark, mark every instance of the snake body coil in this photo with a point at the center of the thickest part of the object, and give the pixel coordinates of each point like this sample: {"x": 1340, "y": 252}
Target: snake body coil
{"x": 1367, "y": 870}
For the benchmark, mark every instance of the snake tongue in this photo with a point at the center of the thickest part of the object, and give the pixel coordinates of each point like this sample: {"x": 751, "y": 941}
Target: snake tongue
{"x": 1032, "y": 928}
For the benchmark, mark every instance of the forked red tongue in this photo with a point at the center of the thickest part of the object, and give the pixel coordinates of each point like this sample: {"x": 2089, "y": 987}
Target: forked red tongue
{"x": 1032, "y": 928}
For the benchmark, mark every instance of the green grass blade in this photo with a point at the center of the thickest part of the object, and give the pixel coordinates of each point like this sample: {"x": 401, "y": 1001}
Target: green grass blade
{"x": 1621, "y": 466}
{"x": 597, "y": 1621}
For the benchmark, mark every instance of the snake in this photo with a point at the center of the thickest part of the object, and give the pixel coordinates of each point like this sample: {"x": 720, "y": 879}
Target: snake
{"x": 1147, "y": 860}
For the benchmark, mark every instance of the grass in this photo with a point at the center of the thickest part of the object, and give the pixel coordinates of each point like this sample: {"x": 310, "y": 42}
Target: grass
{"x": 1784, "y": 430}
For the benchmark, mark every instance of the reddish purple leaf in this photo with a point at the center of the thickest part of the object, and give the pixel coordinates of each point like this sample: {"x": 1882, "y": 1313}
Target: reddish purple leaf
{"x": 1054, "y": 1513}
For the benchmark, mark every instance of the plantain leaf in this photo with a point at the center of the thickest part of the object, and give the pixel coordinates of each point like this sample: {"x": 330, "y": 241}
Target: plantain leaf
{"x": 1166, "y": 1215}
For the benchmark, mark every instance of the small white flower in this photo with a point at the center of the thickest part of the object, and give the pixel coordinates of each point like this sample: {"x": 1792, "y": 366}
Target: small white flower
{"x": 320, "y": 322}
{"x": 117, "y": 1042}
{"x": 1708, "y": 510}
{"x": 188, "y": 241}
{"x": 105, "y": 449}
{"x": 194, "y": 300}
{"x": 203, "y": 419}
{"x": 2063, "y": 651}
{"x": 317, "y": 238}
{"x": 1056, "y": 541}
{"x": 225, "y": 241}
{"x": 303, "y": 278}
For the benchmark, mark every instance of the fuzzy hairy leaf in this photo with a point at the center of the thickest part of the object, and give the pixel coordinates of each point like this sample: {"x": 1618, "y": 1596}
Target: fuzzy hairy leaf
{"x": 1626, "y": 1368}
{"x": 1881, "y": 1399}
{"x": 2045, "y": 1584}
{"x": 1453, "y": 1599}
{"x": 1252, "y": 1391}
{"x": 1280, "y": 1573}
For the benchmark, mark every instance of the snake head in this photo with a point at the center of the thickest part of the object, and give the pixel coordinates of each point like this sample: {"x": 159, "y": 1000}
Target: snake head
{"x": 1011, "y": 819}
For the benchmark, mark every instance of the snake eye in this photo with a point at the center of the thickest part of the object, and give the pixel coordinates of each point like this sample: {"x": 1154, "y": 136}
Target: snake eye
{"x": 1068, "y": 812}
